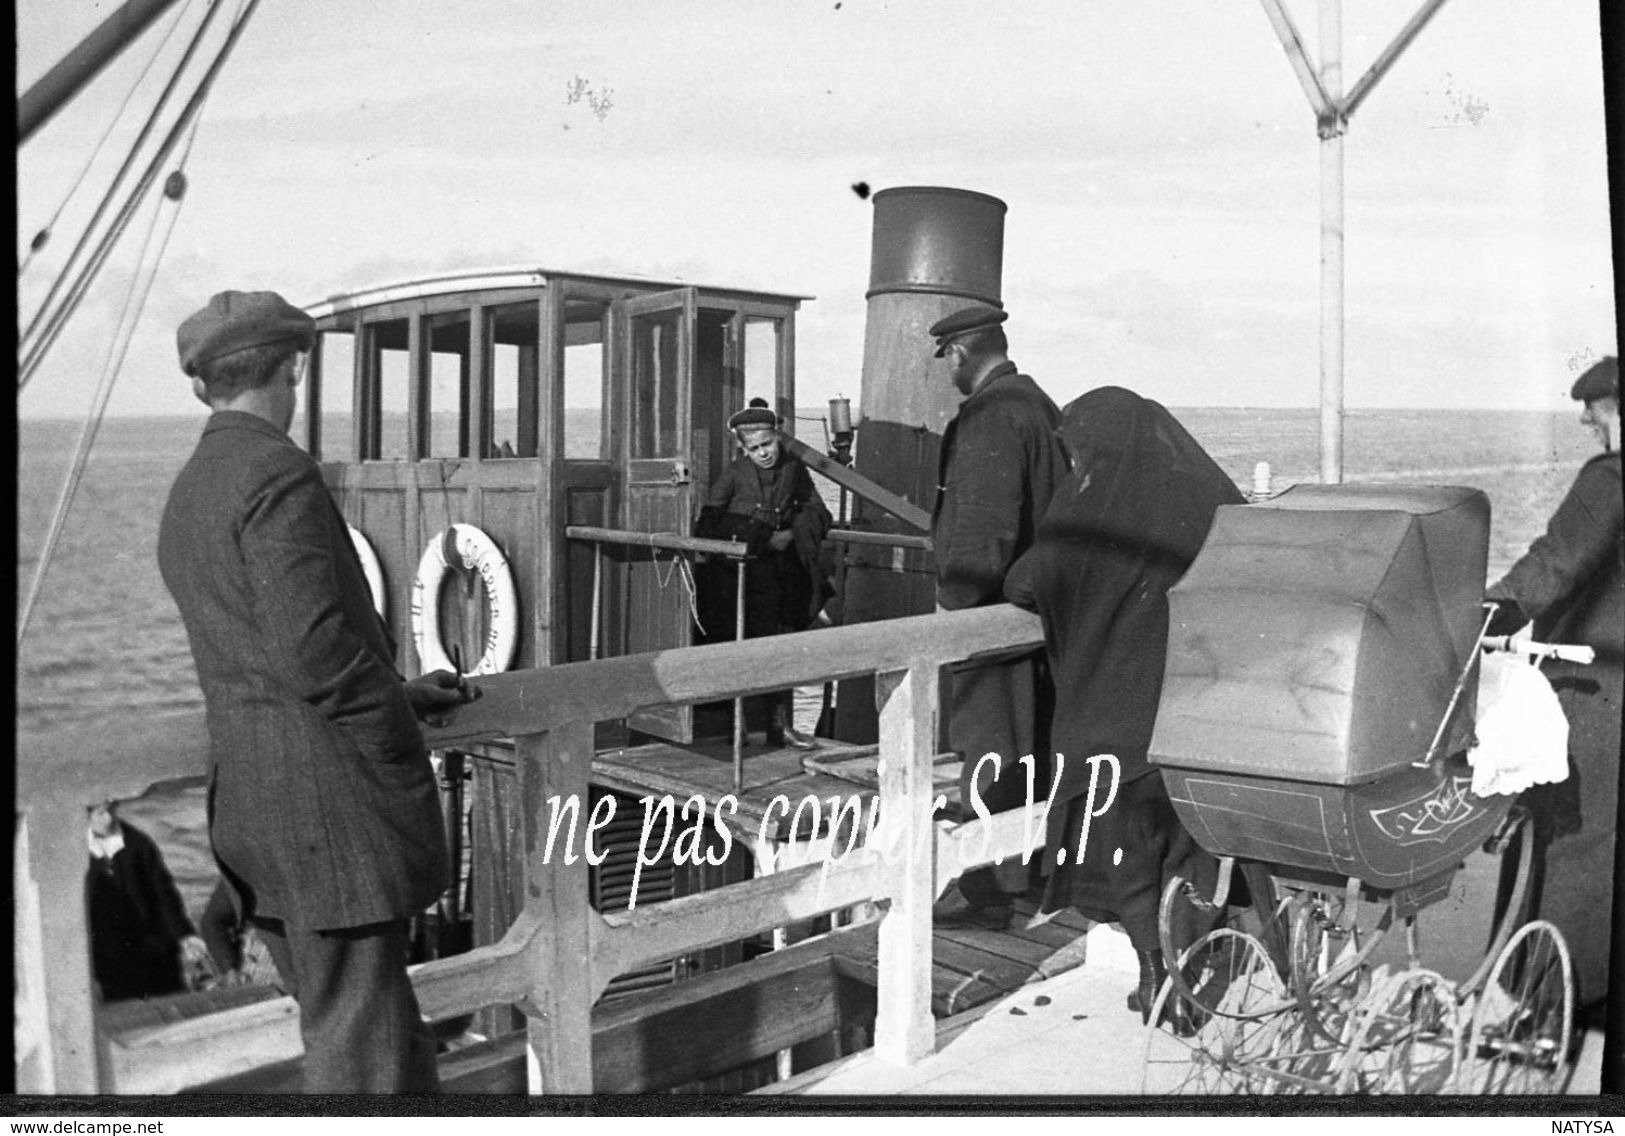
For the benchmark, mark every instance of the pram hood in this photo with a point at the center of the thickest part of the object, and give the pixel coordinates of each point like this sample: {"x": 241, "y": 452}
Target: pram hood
{"x": 1319, "y": 636}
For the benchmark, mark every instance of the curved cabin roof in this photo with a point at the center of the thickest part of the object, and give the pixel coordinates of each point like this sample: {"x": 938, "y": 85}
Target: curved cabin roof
{"x": 495, "y": 278}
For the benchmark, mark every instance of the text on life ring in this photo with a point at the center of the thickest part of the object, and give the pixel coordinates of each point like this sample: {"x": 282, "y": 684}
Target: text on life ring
{"x": 472, "y": 549}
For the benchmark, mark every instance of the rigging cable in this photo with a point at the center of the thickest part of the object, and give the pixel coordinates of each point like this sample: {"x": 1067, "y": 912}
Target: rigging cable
{"x": 175, "y": 191}
{"x": 43, "y": 237}
{"x": 36, "y": 352}
{"x": 123, "y": 170}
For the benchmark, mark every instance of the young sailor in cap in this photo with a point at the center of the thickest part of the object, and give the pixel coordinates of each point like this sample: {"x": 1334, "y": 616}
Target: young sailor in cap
{"x": 766, "y": 497}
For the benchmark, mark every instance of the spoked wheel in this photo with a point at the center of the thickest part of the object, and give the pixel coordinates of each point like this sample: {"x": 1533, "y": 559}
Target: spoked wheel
{"x": 1243, "y": 1013}
{"x": 1329, "y": 952}
{"x": 1406, "y": 1036}
{"x": 1524, "y": 1020}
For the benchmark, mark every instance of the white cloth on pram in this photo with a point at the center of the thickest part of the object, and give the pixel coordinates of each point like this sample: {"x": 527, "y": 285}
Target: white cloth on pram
{"x": 1523, "y": 736}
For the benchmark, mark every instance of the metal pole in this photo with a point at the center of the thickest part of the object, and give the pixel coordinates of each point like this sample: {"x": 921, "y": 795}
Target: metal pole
{"x": 597, "y": 601}
{"x": 62, "y": 82}
{"x": 739, "y": 702}
{"x": 1331, "y": 246}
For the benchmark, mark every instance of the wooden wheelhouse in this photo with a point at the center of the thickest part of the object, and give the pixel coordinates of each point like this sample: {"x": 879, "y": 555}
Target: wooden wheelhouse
{"x": 522, "y": 402}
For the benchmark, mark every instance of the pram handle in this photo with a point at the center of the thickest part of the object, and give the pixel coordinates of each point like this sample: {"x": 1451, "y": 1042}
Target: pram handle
{"x": 1568, "y": 652}
{"x": 1455, "y": 696}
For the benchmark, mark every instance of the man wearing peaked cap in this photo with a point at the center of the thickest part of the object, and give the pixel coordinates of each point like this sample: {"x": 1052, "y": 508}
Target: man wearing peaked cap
{"x": 999, "y": 463}
{"x": 963, "y": 322}
{"x": 324, "y": 814}
{"x": 1571, "y": 583}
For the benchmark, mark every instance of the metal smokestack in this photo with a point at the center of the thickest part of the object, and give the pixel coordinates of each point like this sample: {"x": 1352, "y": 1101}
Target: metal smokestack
{"x": 934, "y": 249}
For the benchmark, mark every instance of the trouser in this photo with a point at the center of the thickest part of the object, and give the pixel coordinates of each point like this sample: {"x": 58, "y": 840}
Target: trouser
{"x": 1000, "y": 708}
{"x": 358, "y": 1016}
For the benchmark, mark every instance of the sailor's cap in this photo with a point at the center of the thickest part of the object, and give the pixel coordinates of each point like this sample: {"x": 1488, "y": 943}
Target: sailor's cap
{"x": 965, "y": 320}
{"x": 756, "y": 416}
{"x": 1600, "y": 380}
{"x": 237, "y": 321}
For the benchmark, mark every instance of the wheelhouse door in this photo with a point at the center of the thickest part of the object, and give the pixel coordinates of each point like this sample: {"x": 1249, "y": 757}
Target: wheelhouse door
{"x": 656, "y": 361}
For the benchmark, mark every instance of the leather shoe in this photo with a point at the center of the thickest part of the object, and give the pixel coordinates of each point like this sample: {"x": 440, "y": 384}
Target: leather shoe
{"x": 975, "y": 918}
{"x": 795, "y": 739}
{"x": 1176, "y": 1014}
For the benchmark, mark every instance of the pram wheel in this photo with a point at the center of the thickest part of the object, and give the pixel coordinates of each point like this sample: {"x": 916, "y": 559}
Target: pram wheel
{"x": 1406, "y": 1036}
{"x": 1329, "y": 951}
{"x": 1241, "y": 1007}
{"x": 1523, "y": 1023}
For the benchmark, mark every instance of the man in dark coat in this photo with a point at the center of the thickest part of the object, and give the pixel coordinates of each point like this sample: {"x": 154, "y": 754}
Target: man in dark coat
{"x": 323, "y": 810}
{"x": 999, "y": 463}
{"x": 141, "y": 941}
{"x": 1571, "y": 583}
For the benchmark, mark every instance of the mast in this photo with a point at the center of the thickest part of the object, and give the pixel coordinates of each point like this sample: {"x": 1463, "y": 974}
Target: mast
{"x": 1331, "y": 246}
{"x": 1332, "y": 112}
{"x": 62, "y": 82}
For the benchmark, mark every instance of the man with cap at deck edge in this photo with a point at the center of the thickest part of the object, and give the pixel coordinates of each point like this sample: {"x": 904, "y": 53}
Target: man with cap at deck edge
{"x": 323, "y": 810}
{"x": 1571, "y": 584}
{"x": 1000, "y": 461}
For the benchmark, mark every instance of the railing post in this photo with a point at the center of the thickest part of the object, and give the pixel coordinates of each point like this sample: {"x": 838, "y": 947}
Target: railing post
{"x": 904, "y": 1028}
{"x": 559, "y": 964}
{"x": 50, "y": 844}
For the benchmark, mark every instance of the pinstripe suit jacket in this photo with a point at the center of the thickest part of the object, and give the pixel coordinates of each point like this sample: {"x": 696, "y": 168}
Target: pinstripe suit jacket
{"x": 323, "y": 810}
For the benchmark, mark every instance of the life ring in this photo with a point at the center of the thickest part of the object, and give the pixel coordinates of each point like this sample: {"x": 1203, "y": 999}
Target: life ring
{"x": 370, "y": 568}
{"x": 472, "y": 549}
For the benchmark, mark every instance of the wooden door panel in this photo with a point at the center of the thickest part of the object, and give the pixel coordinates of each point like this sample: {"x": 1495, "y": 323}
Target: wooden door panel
{"x": 656, "y": 359}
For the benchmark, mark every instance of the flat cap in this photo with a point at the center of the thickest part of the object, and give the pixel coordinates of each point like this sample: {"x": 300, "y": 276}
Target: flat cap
{"x": 963, "y": 321}
{"x": 236, "y": 321}
{"x": 1600, "y": 380}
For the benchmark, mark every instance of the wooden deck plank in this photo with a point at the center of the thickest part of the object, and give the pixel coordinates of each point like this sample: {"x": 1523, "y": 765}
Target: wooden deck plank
{"x": 971, "y": 967}
{"x": 706, "y": 768}
{"x": 951, "y": 992}
{"x": 1015, "y": 960}
{"x": 984, "y": 958}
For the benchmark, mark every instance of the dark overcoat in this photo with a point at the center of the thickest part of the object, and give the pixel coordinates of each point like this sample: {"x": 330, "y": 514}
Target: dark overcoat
{"x": 785, "y": 590}
{"x": 999, "y": 464}
{"x": 1121, "y": 530}
{"x": 137, "y": 920}
{"x": 323, "y": 809}
{"x": 1000, "y": 461}
{"x": 1571, "y": 582}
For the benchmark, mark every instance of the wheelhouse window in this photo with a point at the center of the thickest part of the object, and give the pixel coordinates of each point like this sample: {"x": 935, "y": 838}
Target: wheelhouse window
{"x": 655, "y": 392}
{"x": 513, "y": 332}
{"x": 762, "y": 358}
{"x": 332, "y": 391}
{"x": 389, "y": 375}
{"x": 585, "y": 339}
{"x": 445, "y": 383}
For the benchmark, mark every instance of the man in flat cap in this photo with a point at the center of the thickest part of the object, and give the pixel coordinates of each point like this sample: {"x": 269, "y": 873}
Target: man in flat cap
{"x": 323, "y": 811}
{"x": 1571, "y": 583}
{"x": 999, "y": 463}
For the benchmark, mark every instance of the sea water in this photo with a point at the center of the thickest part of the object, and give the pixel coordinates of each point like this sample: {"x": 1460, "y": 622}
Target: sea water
{"x": 105, "y": 635}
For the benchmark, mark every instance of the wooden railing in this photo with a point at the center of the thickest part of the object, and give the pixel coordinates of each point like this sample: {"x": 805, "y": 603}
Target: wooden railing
{"x": 559, "y": 954}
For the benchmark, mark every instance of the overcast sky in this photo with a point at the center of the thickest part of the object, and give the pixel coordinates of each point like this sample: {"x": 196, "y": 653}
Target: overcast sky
{"x": 1159, "y": 161}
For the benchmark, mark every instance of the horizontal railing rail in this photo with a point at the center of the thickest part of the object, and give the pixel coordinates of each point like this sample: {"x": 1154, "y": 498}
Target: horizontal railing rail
{"x": 888, "y": 540}
{"x": 673, "y": 542}
{"x": 559, "y": 955}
